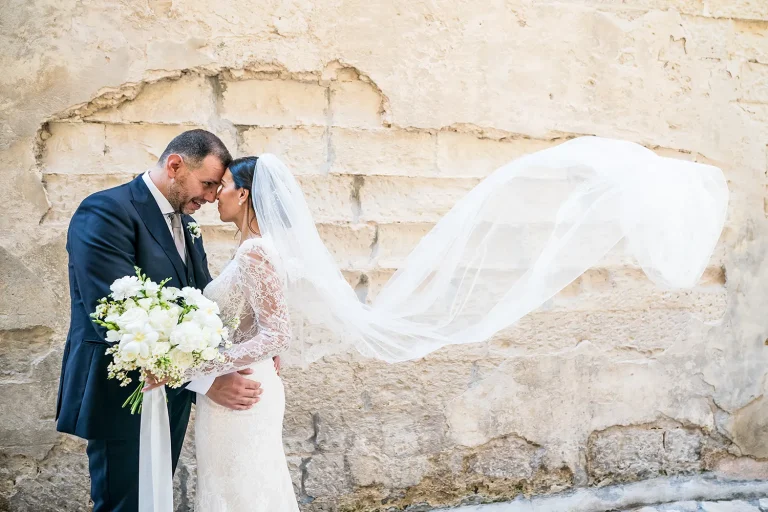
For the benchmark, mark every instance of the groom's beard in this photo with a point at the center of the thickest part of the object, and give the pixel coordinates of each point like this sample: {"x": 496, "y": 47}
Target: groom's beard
{"x": 180, "y": 200}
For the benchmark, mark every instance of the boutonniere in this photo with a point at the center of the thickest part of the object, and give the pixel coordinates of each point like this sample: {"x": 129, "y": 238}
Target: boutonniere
{"x": 194, "y": 230}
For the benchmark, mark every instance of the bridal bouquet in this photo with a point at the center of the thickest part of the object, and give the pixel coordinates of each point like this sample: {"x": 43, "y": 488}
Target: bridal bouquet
{"x": 162, "y": 331}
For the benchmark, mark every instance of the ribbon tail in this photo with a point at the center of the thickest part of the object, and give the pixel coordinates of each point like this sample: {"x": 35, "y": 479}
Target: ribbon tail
{"x": 155, "y": 469}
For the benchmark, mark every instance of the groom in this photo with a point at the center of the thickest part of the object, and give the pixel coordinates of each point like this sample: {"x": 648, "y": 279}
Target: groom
{"x": 143, "y": 223}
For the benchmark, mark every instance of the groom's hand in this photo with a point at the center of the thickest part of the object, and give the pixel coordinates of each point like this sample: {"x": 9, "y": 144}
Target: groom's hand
{"x": 234, "y": 391}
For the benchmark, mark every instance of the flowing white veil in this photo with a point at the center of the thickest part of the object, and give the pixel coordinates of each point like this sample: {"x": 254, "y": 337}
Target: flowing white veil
{"x": 513, "y": 242}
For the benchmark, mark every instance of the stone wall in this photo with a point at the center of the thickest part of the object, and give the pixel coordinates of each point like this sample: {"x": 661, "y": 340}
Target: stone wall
{"x": 388, "y": 113}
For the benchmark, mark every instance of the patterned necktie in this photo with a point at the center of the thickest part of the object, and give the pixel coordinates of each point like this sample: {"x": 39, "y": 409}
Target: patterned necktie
{"x": 178, "y": 234}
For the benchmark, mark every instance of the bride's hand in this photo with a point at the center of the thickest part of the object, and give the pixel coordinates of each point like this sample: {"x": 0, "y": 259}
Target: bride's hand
{"x": 276, "y": 360}
{"x": 152, "y": 382}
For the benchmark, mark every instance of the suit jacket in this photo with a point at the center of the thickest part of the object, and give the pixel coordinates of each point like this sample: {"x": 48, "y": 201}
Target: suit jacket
{"x": 111, "y": 232}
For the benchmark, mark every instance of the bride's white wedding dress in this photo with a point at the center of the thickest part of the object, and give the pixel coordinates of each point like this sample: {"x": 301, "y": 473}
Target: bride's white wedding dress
{"x": 241, "y": 465}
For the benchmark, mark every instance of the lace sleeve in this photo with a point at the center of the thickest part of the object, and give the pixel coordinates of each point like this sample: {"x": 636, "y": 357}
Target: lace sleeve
{"x": 265, "y": 328}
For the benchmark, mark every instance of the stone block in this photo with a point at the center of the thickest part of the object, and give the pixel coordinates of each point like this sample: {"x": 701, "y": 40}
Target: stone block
{"x": 383, "y": 152}
{"x": 682, "y": 451}
{"x": 298, "y": 433}
{"x": 186, "y": 100}
{"x": 303, "y": 150}
{"x": 754, "y": 82}
{"x": 32, "y": 424}
{"x": 66, "y": 191}
{"x": 59, "y": 483}
{"x": 628, "y": 453}
{"x": 295, "y": 469}
{"x": 725, "y": 40}
{"x": 396, "y": 241}
{"x": 400, "y": 199}
{"x": 355, "y": 104}
{"x": 75, "y": 148}
{"x": 20, "y": 348}
{"x": 369, "y": 468}
{"x": 274, "y": 103}
{"x": 22, "y": 288}
{"x": 327, "y": 476}
{"x": 332, "y": 431}
{"x": 509, "y": 458}
{"x": 464, "y": 155}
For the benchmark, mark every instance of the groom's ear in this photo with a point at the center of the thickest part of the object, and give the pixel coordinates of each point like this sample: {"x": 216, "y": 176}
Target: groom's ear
{"x": 173, "y": 164}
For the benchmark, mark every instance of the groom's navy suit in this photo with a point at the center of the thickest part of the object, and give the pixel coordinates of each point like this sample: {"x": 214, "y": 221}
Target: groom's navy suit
{"x": 111, "y": 232}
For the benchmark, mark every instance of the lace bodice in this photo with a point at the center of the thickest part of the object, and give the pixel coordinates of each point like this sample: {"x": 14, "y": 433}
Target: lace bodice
{"x": 250, "y": 290}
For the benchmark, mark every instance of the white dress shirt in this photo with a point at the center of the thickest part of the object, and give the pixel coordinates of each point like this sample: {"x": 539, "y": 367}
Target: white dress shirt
{"x": 203, "y": 384}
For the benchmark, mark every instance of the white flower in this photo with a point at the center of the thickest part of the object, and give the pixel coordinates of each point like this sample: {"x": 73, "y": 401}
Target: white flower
{"x": 164, "y": 320}
{"x": 112, "y": 317}
{"x": 182, "y": 360}
{"x": 151, "y": 288}
{"x": 169, "y": 293}
{"x": 194, "y": 230}
{"x": 146, "y": 304}
{"x": 113, "y": 336}
{"x": 161, "y": 348}
{"x": 130, "y": 304}
{"x": 138, "y": 345}
{"x": 193, "y": 296}
{"x": 133, "y": 320}
{"x": 208, "y": 307}
{"x": 188, "y": 337}
{"x": 209, "y": 354}
{"x": 206, "y": 320}
{"x": 125, "y": 287}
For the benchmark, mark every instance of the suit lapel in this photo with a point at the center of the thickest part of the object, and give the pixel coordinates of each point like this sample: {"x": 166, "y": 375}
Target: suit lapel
{"x": 153, "y": 219}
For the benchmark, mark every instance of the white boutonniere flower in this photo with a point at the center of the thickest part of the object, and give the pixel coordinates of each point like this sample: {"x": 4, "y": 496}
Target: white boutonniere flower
{"x": 194, "y": 230}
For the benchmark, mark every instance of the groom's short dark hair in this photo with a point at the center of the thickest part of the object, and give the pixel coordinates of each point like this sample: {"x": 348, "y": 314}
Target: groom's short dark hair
{"x": 194, "y": 146}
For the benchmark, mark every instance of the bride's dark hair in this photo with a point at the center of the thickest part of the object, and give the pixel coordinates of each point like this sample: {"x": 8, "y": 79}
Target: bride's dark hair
{"x": 242, "y": 170}
{"x": 243, "y": 173}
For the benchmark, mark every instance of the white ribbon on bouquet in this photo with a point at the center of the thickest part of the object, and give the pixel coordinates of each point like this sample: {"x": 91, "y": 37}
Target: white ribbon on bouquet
{"x": 155, "y": 468}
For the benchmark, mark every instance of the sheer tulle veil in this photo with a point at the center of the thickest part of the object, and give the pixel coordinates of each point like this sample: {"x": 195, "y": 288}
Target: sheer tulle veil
{"x": 513, "y": 242}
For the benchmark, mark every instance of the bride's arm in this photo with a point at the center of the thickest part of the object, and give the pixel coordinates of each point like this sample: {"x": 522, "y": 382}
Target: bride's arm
{"x": 265, "y": 329}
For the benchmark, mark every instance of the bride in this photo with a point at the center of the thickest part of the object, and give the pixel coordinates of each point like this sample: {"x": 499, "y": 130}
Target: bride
{"x": 512, "y": 243}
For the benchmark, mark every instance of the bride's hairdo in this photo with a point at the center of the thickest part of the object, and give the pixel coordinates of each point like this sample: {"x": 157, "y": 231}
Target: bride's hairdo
{"x": 244, "y": 173}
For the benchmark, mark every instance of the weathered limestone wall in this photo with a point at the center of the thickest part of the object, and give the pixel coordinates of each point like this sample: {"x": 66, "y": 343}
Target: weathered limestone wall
{"x": 388, "y": 112}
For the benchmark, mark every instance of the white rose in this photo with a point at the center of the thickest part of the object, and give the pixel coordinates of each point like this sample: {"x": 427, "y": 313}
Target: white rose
{"x": 125, "y": 287}
{"x": 133, "y": 320}
{"x": 151, "y": 288}
{"x": 163, "y": 320}
{"x": 130, "y": 304}
{"x": 188, "y": 337}
{"x": 209, "y": 354}
{"x": 181, "y": 359}
{"x": 146, "y": 304}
